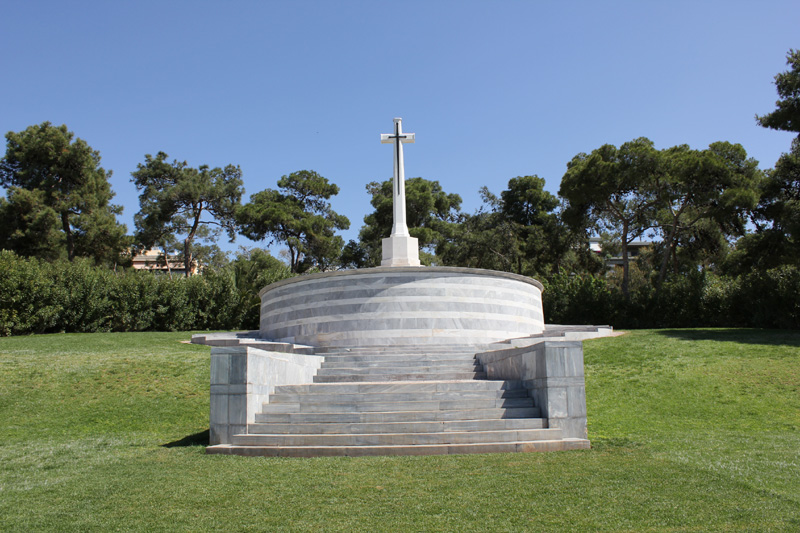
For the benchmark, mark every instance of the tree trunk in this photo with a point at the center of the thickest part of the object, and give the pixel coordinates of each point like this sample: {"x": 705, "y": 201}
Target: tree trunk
{"x": 70, "y": 237}
{"x": 187, "y": 256}
{"x": 187, "y": 243}
{"x": 625, "y": 272}
{"x": 166, "y": 261}
{"x": 292, "y": 259}
{"x": 662, "y": 273}
{"x": 675, "y": 259}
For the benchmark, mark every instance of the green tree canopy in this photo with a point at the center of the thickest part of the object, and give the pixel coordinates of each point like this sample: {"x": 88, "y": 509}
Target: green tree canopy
{"x": 527, "y": 203}
{"x": 520, "y": 231}
{"x": 300, "y": 216}
{"x": 177, "y": 200}
{"x": 254, "y": 269}
{"x": 428, "y": 209}
{"x": 614, "y": 190}
{"x": 780, "y": 204}
{"x": 705, "y": 197}
{"x": 484, "y": 239}
{"x": 776, "y": 240}
{"x": 29, "y": 227}
{"x": 787, "y": 115}
{"x": 545, "y": 241}
{"x": 58, "y": 197}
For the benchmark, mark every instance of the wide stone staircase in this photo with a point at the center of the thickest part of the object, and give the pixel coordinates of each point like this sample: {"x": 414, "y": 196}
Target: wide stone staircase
{"x": 400, "y": 400}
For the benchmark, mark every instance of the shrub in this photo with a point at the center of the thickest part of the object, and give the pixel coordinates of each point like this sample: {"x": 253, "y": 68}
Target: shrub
{"x": 768, "y": 298}
{"x": 174, "y": 310}
{"x": 134, "y": 296}
{"x": 27, "y": 300}
{"x": 217, "y": 301}
{"x": 765, "y": 299}
{"x": 41, "y": 297}
{"x": 572, "y": 299}
{"x": 83, "y": 294}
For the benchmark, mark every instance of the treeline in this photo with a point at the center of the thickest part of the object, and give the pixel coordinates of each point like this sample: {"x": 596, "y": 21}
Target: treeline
{"x": 759, "y": 299}
{"x": 723, "y": 234}
{"x": 38, "y": 296}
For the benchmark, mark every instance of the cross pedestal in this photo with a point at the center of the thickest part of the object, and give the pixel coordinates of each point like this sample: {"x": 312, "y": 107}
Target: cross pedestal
{"x": 400, "y": 249}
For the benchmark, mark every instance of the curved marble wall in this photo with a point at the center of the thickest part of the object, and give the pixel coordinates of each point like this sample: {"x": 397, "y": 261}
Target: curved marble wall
{"x": 401, "y": 305}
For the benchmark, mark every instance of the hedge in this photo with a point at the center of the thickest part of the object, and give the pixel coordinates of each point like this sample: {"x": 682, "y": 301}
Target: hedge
{"x": 761, "y": 299}
{"x": 41, "y": 297}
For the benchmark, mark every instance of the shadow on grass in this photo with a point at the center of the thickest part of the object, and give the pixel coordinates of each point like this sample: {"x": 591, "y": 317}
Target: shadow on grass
{"x": 775, "y": 337}
{"x": 198, "y": 439}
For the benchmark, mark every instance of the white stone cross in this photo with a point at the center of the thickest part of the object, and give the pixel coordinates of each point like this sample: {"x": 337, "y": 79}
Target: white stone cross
{"x": 399, "y": 226}
{"x": 400, "y": 249}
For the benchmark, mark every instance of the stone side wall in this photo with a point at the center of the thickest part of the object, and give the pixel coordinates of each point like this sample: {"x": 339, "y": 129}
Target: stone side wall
{"x": 242, "y": 378}
{"x": 401, "y": 305}
{"x": 553, "y": 374}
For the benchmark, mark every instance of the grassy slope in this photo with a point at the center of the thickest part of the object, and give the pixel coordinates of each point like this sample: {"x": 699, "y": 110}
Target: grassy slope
{"x": 692, "y": 430}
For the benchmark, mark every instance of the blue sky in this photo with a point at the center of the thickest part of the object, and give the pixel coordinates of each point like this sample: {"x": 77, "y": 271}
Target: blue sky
{"x": 492, "y": 89}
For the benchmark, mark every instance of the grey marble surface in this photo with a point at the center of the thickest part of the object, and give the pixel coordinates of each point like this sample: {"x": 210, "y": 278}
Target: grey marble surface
{"x": 388, "y": 306}
{"x": 242, "y": 379}
{"x": 552, "y": 371}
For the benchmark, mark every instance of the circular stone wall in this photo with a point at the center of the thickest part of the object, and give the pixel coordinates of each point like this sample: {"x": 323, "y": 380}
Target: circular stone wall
{"x": 401, "y": 305}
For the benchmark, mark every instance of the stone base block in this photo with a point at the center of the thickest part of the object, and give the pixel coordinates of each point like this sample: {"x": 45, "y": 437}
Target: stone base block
{"x": 400, "y": 251}
{"x": 553, "y": 374}
{"x": 365, "y": 451}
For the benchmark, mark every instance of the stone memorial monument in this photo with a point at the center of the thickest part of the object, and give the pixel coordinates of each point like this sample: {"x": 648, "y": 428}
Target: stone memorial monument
{"x": 400, "y": 249}
{"x": 399, "y": 359}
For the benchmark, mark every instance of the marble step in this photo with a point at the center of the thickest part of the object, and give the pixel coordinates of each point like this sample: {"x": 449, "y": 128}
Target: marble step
{"x": 278, "y": 347}
{"x": 398, "y": 427}
{"x": 435, "y": 449}
{"x": 411, "y": 396}
{"x": 395, "y": 355}
{"x": 380, "y": 417}
{"x": 399, "y": 377}
{"x": 400, "y": 349}
{"x": 387, "y": 369}
{"x": 430, "y": 405}
{"x": 384, "y": 439}
{"x": 399, "y": 386}
{"x": 359, "y": 359}
{"x": 398, "y": 363}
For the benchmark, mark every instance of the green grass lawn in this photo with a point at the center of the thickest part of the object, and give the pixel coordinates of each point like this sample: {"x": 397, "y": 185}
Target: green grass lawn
{"x": 692, "y": 430}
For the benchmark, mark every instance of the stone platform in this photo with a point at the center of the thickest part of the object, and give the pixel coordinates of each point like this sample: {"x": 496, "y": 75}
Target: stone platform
{"x": 399, "y": 360}
{"x": 387, "y": 306}
{"x": 280, "y": 399}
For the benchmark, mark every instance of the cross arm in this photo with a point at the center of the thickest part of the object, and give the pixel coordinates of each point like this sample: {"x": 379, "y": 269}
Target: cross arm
{"x": 388, "y": 138}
